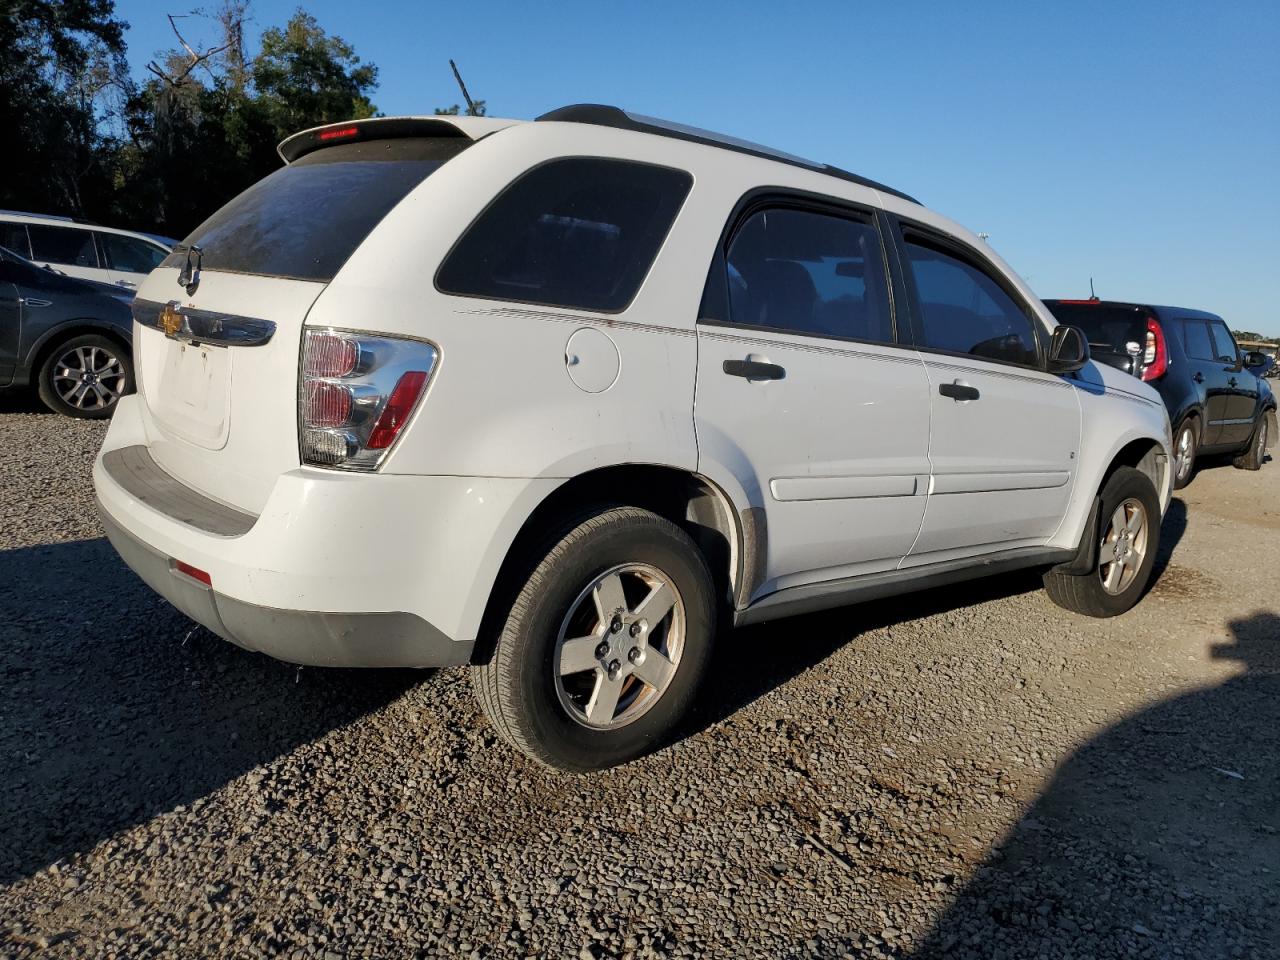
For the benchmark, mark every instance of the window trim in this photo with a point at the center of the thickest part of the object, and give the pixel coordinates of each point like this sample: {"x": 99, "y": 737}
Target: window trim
{"x": 962, "y": 251}
{"x": 716, "y": 301}
{"x": 644, "y": 280}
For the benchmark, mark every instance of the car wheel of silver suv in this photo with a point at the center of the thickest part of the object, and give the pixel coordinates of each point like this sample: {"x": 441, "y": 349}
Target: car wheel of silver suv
{"x": 605, "y": 644}
{"x": 1128, "y": 537}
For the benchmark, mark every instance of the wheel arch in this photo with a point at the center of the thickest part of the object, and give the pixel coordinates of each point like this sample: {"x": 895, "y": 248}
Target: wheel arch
{"x": 690, "y": 500}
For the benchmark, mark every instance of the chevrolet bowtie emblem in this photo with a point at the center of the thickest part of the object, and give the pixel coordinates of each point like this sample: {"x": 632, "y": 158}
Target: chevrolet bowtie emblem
{"x": 170, "y": 319}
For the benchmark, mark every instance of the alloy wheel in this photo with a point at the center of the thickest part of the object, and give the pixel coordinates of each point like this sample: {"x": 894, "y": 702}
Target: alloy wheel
{"x": 88, "y": 377}
{"x": 1184, "y": 454}
{"x": 1124, "y": 546}
{"x": 619, "y": 646}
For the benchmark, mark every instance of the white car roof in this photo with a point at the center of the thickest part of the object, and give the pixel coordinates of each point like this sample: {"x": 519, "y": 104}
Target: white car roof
{"x": 17, "y": 216}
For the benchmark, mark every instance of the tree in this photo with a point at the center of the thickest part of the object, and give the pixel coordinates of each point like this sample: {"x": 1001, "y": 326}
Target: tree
{"x": 307, "y": 77}
{"x": 63, "y": 82}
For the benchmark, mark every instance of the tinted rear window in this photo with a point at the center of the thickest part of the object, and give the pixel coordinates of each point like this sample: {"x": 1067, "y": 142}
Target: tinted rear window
{"x": 578, "y": 233}
{"x": 1109, "y": 329}
{"x": 306, "y": 219}
{"x": 70, "y": 246}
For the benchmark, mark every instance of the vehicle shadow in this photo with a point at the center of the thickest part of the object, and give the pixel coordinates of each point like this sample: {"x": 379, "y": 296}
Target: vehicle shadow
{"x": 759, "y": 658}
{"x": 1159, "y": 837}
{"x": 114, "y": 707}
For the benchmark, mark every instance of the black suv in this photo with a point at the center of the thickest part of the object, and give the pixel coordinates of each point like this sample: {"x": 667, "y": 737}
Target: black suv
{"x": 1216, "y": 404}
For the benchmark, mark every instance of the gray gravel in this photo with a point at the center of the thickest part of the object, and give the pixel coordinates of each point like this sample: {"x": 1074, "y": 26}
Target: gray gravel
{"x": 969, "y": 772}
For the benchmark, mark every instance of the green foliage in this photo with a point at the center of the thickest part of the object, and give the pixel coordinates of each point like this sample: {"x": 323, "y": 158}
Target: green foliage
{"x": 476, "y": 110}
{"x": 306, "y": 77}
{"x": 62, "y": 73}
{"x": 1251, "y": 335}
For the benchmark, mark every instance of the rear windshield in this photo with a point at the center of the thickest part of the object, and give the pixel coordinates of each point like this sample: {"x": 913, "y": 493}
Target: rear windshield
{"x": 1108, "y": 329}
{"x": 307, "y": 218}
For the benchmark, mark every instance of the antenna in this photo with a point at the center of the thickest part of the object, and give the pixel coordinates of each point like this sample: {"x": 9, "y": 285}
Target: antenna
{"x": 1092, "y": 295}
{"x": 471, "y": 107}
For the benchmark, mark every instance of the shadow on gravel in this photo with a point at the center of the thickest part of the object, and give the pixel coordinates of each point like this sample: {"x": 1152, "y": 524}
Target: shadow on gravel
{"x": 763, "y": 657}
{"x": 107, "y": 717}
{"x": 1160, "y": 837}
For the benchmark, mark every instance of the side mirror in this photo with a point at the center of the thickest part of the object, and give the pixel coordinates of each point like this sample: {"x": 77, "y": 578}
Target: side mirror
{"x": 1069, "y": 349}
{"x": 1255, "y": 358}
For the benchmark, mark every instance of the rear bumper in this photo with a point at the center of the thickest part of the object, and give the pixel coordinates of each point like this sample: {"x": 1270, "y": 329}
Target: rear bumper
{"x": 337, "y": 570}
{"x": 310, "y": 637}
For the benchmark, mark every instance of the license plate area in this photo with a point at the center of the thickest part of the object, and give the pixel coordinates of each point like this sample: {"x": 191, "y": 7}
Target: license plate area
{"x": 192, "y": 399}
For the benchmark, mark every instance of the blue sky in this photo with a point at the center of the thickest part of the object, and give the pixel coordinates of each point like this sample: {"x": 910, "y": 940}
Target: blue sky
{"x": 1137, "y": 143}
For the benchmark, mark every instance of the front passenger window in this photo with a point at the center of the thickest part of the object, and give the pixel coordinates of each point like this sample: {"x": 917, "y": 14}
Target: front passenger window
{"x": 63, "y": 245}
{"x": 965, "y": 311}
{"x": 1224, "y": 343}
{"x": 810, "y": 273}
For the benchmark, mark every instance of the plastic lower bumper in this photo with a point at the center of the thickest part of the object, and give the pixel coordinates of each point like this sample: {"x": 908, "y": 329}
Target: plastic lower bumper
{"x": 309, "y": 637}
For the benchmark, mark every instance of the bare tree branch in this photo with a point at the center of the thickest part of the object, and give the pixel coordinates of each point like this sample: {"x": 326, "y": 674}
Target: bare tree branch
{"x": 197, "y": 59}
{"x": 471, "y": 107}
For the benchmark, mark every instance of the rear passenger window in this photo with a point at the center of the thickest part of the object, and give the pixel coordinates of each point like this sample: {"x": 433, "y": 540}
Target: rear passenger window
{"x": 64, "y": 245}
{"x": 579, "y": 233}
{"x": 130, "y": 254}
{"x": 1195, "y": 334}
{"x": 811, "y": 273}
{"x": 964, "y": 310}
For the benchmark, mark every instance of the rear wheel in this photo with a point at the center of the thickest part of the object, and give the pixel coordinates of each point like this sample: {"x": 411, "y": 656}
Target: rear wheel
{"x": 85, "y": 376}
{"x": 605, "y": 644}
{"x": 1256, "y": 453}
{"x": 1129, "y": 536}
{"x": 1184, "y": 453}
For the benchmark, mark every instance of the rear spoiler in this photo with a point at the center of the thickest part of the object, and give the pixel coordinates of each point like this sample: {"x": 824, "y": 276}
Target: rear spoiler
{"x": 386, "y": 128}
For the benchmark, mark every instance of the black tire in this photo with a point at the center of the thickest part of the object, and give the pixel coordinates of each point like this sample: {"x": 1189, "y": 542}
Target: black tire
{"x": 1191, "y": 428}
{"x": 111, "y": 367}
{"x": 1085, "y": 593}
{"x": 1256, "y": 453}
{"x": 518, "y": 688}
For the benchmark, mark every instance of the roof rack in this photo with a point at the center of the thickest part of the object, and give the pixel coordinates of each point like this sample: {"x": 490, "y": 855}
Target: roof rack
{"x": 604, "y": 115}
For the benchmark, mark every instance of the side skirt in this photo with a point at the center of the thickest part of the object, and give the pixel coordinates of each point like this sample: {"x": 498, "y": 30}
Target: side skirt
{"x": 812, "y": 597}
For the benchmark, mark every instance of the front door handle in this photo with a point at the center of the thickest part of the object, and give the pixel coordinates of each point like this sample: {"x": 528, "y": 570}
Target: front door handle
{"x": 958, "y": 391}
{"x": 1199, "y": 377}
{"x": 754, "y": 369}
{"x": 34, "y": 302}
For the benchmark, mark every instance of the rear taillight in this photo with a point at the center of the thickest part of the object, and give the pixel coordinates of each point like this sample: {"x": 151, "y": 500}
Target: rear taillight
{"x": 1155, "y": 354}
{"x": 356, "y": 392}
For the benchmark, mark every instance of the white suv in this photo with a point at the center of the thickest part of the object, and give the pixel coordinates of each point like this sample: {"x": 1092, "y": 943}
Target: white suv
{"x": 558, "y": 399}
{"x": 84, "y": 250}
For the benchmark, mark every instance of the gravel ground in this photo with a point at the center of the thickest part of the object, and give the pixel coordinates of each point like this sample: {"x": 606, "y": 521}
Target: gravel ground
{"x": 969, "y": 772}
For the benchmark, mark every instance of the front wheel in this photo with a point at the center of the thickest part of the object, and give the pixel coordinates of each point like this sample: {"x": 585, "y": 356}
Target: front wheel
{"x": 1129, "y": 535}
{"x": 605, "y": 644}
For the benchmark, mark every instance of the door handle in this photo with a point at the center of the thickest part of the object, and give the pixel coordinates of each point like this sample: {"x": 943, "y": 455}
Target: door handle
{"x": 754, "y": 369}
{"x": 1199, "y": 377}
{"x": 126, "y": 283}
{"x": 34, "y": 302}
{"x": 961, "y": 392}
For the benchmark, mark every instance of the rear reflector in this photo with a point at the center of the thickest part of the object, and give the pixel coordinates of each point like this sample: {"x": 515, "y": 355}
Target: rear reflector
{"x": 195, "y": 573}
{"x": 394, "y": 415}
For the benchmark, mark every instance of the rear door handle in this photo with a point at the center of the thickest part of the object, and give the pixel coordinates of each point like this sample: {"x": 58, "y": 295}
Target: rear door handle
{"x": 34, "y": 302}
{"x": 754, "y": 369}
{"x": 1199, "y": 377}
{"x": 958, "y": 391}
